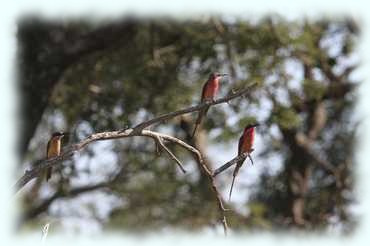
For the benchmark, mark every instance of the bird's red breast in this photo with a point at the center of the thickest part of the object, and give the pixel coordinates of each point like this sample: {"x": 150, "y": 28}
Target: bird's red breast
{"x": 210, "y": 88}
{"x": 246, "y": 141}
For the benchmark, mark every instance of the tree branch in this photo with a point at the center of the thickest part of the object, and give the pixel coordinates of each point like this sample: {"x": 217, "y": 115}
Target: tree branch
{"x": 305, "y": 144}
{"x": 129, "y": 132}
{"x": 33, "y": 212}
{"x": 172, "y": 155}
{"x": 198, "y": 107}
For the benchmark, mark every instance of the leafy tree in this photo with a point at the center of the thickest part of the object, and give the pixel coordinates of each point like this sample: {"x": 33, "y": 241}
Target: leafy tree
{"x": 88, "y": 78}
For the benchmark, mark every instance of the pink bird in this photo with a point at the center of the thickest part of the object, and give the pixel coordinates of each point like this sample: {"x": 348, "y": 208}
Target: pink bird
{"x": 245, "y": 146}
{"x": 209, "y": 92}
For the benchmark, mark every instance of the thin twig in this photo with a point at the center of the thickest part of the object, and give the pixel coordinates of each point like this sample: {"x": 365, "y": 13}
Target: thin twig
{"x": 172, "y": 156}
{"x": 203, "y": 167}
{"x": 157, "y": 147}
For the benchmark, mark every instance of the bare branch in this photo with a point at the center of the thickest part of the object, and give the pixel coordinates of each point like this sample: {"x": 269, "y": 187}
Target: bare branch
{"x": 203, "y": 167}
{"x": 68, "y": 153}
{"x": 194, "y": 108}
{"x": 129, "y": 132}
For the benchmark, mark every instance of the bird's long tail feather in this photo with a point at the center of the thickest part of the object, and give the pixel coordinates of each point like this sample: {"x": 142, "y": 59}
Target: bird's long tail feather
{"x": 201, "y": 114}
{"x": 235, "y": 173}
{"x": 231, "y": 188}
{"x": 48, "y": 174}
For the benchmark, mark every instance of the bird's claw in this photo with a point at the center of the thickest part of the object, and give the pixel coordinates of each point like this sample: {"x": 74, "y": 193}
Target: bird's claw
{"x": 250, "y": 158}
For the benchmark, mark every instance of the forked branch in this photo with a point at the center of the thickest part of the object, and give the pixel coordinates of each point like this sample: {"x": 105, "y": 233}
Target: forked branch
{"x": 124, "y": 133}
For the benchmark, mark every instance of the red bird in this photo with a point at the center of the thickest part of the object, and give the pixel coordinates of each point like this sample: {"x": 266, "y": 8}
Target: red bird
{"x": 209, "y": 92}
{"x": 245, "y": 146}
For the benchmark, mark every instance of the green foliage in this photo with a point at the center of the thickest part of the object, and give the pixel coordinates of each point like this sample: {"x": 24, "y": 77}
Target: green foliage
{"x": 285, "y": 117}
{"x": 161, "y": 67}
{"x": 314, "y": 90}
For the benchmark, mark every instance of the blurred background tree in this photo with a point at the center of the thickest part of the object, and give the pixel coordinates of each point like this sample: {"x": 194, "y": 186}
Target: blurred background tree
{"x": 83, "y": 77}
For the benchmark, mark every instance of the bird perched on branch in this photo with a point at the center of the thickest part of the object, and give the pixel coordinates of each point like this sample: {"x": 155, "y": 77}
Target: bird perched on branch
{"x": 210, "y": 89}
{"x": 53, "y": 150}
{"x": 245, "y": 146}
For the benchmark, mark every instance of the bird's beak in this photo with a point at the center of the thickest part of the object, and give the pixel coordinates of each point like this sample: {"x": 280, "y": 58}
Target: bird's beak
{"x": 65, "y": 134}
{"x": 254, "y": 125}
{"x": 222, "y": 75}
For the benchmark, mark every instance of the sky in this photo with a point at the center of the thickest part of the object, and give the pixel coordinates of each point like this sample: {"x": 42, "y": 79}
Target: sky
{"x": 181, "y": 9}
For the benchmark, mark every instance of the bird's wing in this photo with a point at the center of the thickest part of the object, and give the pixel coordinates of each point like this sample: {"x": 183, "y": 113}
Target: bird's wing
{"x": 49, "y": 169}
{"x": 239, "y": 163}
{"x": 204, "y": 91}
{"x": 240, "y": 145}
{"x": 47, "y": 149}
{"x": 202, "y": 112}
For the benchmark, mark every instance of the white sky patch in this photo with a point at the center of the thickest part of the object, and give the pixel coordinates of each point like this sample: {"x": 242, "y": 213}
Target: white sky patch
{"x": 318, "y": 75}
{"x": 83, "y": 129}
{"x": 96, "y": 168}
{"x": 265, "y": 109}
{"x": 282, "y": 96}
{"x": 333, "y": 42}
{"x": 93, "y": 207}
{"x": 344, "y": 62}
{"x": 76, "y": 226}
{"x": 294, "y": 69}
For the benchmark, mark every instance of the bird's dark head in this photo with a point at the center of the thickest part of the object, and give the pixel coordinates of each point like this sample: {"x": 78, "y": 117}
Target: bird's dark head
{"x": 58, "y": 135}
{"x": 217, "y": 75}
{"x": 249, "y": 126}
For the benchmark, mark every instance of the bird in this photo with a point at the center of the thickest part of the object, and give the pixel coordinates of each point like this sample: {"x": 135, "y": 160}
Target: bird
{"x": 245, "y": 146}
{"x": 53, "y": 150}
{"x": 210, "y": 89}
